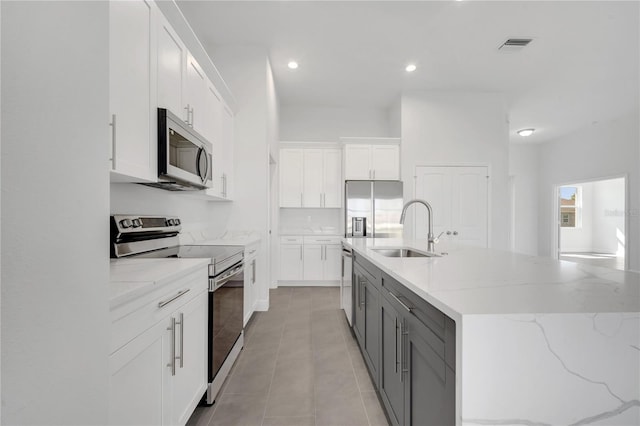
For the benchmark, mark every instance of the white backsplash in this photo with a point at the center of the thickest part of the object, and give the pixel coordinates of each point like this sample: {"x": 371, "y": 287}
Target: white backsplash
{"x": 310, "y": 221}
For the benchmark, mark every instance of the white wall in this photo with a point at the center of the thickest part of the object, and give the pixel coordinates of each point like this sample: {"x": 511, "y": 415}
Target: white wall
{"x": 327, "y": 124}
{"x": 441, "y": 128}
{"x": 55, "y": 202}
{"x": 523, "y": 169}
{"x": 395, "y": 118}
{"x": 247, "y": 71}
{"x": 273, "y": 140}
{"x": 600, "y": 151}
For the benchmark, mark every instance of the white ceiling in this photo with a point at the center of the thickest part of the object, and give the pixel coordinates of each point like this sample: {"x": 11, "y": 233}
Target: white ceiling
{"x": 582, "y": 66}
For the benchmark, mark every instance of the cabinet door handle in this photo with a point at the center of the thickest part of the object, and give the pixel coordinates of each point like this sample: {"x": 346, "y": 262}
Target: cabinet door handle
{"x": 181, "y": 322}
{"x": 113, "y": 141}
{"x": 363, "y": 293}
{"x": 224, "y": 185}
{"x": 164, "y": 303}
{"x": 188, "y": 112}
{"x": 191, "y": 117}
{"x": 172, "y": 363}
{"x": 404, "y": 305}
{"x": 395, "y": 354}
{"x": 253, "y": 272}
{"x": 300, "y": 252}
{"x": 404, "y": 332}
{"x": 301, "y": 200}
{"x": 342, "y": 267}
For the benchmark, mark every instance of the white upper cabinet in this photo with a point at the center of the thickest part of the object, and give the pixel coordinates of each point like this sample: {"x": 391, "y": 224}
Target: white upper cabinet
{"x": 312, "y": 186}
{"x": 195, "y": 95}
{"x": 228, "y": 137}
{"x": 291, "y": 176}
{"x": 310, "y": 177}
{"x": 171, "y": 59}
{"x": 371, "y": 162}
{"x": 385, "y": 162}
{"x": 332, "y": 178}
{"x": 131, "y": 101}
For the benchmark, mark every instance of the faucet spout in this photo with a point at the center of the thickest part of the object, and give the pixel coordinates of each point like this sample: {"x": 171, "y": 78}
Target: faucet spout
{"x": 431, "y": 240}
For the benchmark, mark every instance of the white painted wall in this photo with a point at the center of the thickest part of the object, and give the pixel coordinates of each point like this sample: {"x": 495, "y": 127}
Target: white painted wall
{"x": 603, "y": 206}
{"x": 273, "y": 140}
{"x": 395, "y": 118}
{"x": 246, "y": 70}
{"x": 523, "y": 168}
{"x": 440, "y": 128}
{"x": 600, "y": 151}
{"x": 55, "y": 201}
{"x": 327, "y": 124}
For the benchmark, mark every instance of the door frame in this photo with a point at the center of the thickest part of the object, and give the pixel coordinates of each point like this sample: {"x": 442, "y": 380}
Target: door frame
{"x": 555, "y": 212}
{"x": 489, "y": 190}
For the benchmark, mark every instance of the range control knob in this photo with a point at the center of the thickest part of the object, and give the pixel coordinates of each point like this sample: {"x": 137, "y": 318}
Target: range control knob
{"x": 170, "y": 222}
{"x": 125, "y": 223}
{"x": 177, "y": 222}
{"x": 137, "y": 223}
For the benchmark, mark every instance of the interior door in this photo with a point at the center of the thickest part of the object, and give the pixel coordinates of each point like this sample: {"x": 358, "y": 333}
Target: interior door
{"x": 459, "y": 198}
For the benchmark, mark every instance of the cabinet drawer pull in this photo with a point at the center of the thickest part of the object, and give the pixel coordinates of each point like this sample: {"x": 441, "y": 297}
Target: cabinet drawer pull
{"x": 181, "y": 357}
{"x": 408, "y": 308}
{"x": 172, "y": 364}
{"x": 113, "y": 141}
{"x": 177, "y": 295}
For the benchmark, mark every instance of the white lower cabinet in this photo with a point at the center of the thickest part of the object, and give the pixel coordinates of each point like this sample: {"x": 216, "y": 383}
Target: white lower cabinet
{"x": 310, "y": 258}
{"x": 250, "y": 278}
{"x": 159, "y": 376}
{"x": 291, "y": 258}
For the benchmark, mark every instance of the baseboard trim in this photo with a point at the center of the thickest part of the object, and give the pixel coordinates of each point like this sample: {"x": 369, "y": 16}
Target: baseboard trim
{"x": 262, "y": 305}
{"x": 308, "y": 283}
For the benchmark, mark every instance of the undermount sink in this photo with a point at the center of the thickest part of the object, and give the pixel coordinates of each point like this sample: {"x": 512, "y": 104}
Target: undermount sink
{"x": 403, "y": 252}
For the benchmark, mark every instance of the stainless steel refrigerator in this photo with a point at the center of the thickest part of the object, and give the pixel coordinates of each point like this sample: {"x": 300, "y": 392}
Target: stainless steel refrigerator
{"x": 373, "y": 208}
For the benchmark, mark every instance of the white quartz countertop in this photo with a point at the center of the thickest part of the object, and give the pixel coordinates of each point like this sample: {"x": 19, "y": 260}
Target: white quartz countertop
{"x": 132, "y": 278}
{"x": 229, "y": 239}
{"x": 470, "y": 281}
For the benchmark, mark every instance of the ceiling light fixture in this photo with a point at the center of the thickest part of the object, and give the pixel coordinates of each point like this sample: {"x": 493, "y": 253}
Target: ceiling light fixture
{"x": 292, "y": 65}
{"x": 526, "y": 132}
{"x": 410, "y": 68}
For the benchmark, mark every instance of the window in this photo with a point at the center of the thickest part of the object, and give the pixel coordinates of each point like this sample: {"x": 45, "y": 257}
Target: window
{"x": 570, "y": 206}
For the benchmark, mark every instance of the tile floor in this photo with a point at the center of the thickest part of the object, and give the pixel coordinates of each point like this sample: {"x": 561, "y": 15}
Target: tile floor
{"x": 300, "y": 366}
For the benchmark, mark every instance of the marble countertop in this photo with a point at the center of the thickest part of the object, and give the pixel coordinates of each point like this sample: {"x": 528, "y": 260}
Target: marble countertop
{"x": 228, "y": 239}
{"x": 470, "y": 281}
{"x": 132, "y": 278}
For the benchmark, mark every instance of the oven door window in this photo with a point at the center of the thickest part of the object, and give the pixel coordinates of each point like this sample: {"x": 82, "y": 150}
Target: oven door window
{"x": 227, "y": 319}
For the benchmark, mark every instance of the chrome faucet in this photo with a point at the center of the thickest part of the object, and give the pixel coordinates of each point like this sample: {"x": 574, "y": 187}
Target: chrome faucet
{"x": 431, "y": 240}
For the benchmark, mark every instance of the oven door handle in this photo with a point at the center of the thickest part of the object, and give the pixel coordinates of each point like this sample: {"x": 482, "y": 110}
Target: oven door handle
{"x": 219, "y": 282}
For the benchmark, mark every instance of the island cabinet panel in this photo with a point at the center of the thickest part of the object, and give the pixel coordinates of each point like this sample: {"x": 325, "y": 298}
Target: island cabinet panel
{"x": 391, "y": 361}
{"x": 414, "y": 363}
{"x": 366, "y": 319}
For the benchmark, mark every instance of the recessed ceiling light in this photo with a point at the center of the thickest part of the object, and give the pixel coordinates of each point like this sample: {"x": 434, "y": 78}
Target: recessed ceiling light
{"x": 292, "y": 65}
{"x": 410, "y": 68}
{"x": 526, "y": 132}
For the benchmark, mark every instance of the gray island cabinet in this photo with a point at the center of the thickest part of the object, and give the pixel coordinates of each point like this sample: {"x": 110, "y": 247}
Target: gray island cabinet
{"x": 408, "y": 346}
{"x": 488, "y": 337}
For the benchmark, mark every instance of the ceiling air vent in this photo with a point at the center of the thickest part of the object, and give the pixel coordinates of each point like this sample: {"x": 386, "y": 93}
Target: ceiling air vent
{"x": 514, "y": 44}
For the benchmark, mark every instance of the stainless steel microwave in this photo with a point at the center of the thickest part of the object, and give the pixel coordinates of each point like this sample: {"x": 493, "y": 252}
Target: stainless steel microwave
{"x": 184, "y": 156}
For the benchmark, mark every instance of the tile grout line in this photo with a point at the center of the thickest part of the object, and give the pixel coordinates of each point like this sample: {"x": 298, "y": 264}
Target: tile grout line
{"x": 273, "y": 373}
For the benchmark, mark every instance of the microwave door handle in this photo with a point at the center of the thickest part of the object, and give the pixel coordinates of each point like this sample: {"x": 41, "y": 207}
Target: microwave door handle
{"x": 206, "y": 169}
{"x": 198, "y": 157}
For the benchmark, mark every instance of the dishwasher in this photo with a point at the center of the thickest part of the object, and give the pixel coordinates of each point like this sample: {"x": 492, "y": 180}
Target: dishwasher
{"x": 346, "y": 282}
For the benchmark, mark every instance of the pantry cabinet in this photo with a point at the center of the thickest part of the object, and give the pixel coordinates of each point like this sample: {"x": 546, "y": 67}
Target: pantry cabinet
{"x": 371, "y": 161}
{"x": 310, "y": 177}
{"x": 132, "y": 94}
{"x": 158, "y": 364}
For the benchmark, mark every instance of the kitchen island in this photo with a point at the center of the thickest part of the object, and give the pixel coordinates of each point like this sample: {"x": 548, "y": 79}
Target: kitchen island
{"x": 537, "y": 341}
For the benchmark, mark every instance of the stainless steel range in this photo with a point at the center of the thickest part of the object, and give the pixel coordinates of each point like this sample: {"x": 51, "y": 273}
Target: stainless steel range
{"x": 157, "y": 237}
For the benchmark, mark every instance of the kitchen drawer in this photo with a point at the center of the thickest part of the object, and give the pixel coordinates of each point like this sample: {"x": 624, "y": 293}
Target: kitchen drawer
{"x": 131, "y": 319}
{"x": 442, "y": 327}
{"x": 291, "y": 239}
{"x": 330, "y": 239}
